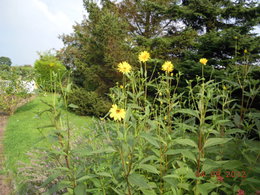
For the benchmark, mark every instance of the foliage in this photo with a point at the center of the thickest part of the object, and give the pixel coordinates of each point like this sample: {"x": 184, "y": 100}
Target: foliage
{"x": 12, "y": 87}
{"x": 88, "y": 103}
{"x": 164, "y": 145}
{"x": 5, "y": 61}
{"x": 95, "y": 47}
{"x": 179, "y": 31}
{"x": 18, "y": 72}
{"x": 45, "y": 67}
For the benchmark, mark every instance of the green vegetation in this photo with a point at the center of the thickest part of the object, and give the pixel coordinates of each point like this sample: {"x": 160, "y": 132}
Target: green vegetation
{"x": 177, "y": 89}
{"x": 25, "y": 73}
{"x": 22, "y": 133}
{"x": 13, "y": 86}
{"x": 45, "y": 67}
{"x": 5, "y": 61}
{"x": 167, "y": 144}
{"x": 88, "y": 103}
{"x": 179, "y": 31}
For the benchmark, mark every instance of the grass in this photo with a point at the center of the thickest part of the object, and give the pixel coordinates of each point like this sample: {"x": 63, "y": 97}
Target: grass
{"x": 22, "y": 135}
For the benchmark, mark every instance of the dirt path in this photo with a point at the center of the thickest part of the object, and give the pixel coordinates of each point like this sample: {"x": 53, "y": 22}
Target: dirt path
{"x": 5, "y": 188}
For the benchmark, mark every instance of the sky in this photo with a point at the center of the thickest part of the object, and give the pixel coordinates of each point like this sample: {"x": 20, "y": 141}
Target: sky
{"x": 28, "y": 26}
{"x": 31, "y": 26}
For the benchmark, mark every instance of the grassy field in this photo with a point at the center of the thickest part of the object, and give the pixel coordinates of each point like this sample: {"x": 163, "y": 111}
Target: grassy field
{"x": 22, "y": 135}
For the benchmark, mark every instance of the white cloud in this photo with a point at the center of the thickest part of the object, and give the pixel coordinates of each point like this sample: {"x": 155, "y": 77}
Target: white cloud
{"x": 59, "y": 19}
{"x": 29, "y": 26}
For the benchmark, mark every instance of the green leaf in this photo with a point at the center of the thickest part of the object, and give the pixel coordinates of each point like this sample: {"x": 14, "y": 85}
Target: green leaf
{"x": 150, "y": 139}
{"x": 172, "y": 180}
{"x": 149, "y": 158}
{"x": 237, "y": 119}
{"x": 80, "y": 190}
{"x": 104, "y": 174}
{"x": 105, "y": 150}
{"x": 148, "y": 192}
{"x": 186, "y": 141}
{"x": 73, "y": 106}
{"x": 234, "y": 131}
{"x": 210, "y": 165}
{"x": 84, "y": 178}
{"x": 205, "y": 188}
{"x": 59, "y": 186}
{"x": 185, "y": 152}
{"x": 188, "y": 111}
{"x": 149, "y": 168}
{"x": 232, "y": 164}
{"x": 222, "y": 121}
{"x": 184, "y": 186}
{"x": 51, "y": 178}
{"x": 138, "y": 180}
{"x": 188, "y": 154}
{"x": 252, "y": 180}
{"x": 215, "y": 141}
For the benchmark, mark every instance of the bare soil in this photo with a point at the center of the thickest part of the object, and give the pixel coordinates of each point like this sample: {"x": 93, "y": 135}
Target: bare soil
{"x": 5, "y": 186}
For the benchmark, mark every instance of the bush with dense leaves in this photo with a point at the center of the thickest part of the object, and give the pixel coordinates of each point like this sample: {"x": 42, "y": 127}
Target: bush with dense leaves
{"x": 45, "y": 67}
{"x": 88, "y": 103}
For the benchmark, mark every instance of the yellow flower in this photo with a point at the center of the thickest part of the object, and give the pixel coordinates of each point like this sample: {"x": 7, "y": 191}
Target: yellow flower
{"x": 144, "y": 56}
{"x": 167, "y": 67}
{"x": 203, "y": 61}
{"x": 51, "y": 64}
{"x": 224, "y": 87}
{"x": 117, "y": 113}
{"x": 121, "y": 86}
{"x": 124, "y": 67}
{"x": 245, "y": 51}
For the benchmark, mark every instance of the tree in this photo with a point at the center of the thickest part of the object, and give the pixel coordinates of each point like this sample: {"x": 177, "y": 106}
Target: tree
{"x": 180, "y": 31}
{"x": 5, "y": 61}
{"x": 224, "y": 29}
{"x": 95, "y": 48}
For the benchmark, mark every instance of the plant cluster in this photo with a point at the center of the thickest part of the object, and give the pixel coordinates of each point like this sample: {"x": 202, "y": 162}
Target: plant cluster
{"x": 166, "y": 144}
{"x": 88, "y": 103}
{"x": 12, "y": 86}
{"x": 179, "y": 31}
{"x": 44, "y": 68}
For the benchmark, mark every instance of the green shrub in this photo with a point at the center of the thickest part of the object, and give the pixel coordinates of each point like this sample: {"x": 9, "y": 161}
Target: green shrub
{"x": 12, "y": 87}
{"x": 88, "y": 103}
{"x": 45, "y": 67}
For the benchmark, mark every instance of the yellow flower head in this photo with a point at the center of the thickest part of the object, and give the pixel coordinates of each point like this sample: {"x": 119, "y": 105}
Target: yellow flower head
{"x": 121, "y": 86}
{"x": 245, "y": 51}
{"x": 144, "y": 56}
{"x": 124, "y": 67}
{"x": 203, "y": 61}
{"x": 167, "y": 67}
{"x": 117, "y": 113}
{"x": 51, "y": 64}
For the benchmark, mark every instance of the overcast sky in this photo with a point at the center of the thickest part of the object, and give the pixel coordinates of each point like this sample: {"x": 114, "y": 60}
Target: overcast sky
{"x": 28, "y": 26}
